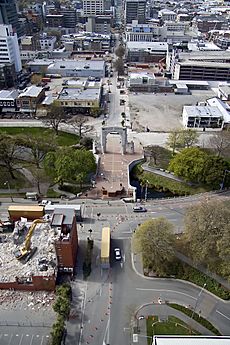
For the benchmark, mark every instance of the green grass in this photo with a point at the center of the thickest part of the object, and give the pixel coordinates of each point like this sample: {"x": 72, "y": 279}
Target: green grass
{"x": 164, "y": 184}
{"x": 196, "y": 317}
{"x": 162, "y": 158}
{"x": 173, "y": 326}
{"x": 52, "y": 194}
{"x": 63, "y": 138}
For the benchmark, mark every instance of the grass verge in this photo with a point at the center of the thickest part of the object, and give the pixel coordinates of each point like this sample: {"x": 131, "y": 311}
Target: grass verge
{"x": 196, "y": 317}
{"x": 171, "y": 326}
{"x": 63, "y": 138}
{"x": 164, "y": 184}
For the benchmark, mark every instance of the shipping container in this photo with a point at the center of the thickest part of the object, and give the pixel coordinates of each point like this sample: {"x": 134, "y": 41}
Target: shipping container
{"x": 30, "y": 212}
{"x": 105, "y": 248}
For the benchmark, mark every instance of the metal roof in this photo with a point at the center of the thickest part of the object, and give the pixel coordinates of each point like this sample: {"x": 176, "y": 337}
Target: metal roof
{"x": 31, "y": 91}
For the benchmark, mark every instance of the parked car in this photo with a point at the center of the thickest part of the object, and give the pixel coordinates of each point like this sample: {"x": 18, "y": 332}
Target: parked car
{"x": 45, "y": 202}
{"x": 139, "y": 209}
{"x": 117, "y": 254}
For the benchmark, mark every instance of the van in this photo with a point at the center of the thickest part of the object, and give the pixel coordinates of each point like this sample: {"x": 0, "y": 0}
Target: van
{"x": 32, "y": 196}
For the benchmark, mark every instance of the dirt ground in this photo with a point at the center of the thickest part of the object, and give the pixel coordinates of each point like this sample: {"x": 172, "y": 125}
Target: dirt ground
{"x": 162, "y": 112}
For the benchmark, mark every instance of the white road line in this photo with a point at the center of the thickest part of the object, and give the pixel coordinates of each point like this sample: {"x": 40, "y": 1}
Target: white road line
{"x": 10, "y": 338}
{"x": 162, "y": 290}
{"x": 226, "y": 317}
{"x": 20, "y": 343}
{"x": 31, "y": 341}
{"x": 42, "y": 340}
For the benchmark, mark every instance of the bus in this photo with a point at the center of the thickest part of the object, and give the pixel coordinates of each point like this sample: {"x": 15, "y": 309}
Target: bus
{"x": 105, "y": 248}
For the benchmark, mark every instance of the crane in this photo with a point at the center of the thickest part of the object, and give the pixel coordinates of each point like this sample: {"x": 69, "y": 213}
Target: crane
{"x": 25, "y": 251}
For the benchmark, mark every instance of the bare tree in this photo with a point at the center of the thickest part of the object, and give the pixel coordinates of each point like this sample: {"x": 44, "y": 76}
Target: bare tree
{"x": 55, "y": 116}
{"x": 119, "y": 66}
{"x": 9, "y": 150}
{"x": 79, "y": 124}
{"x": 120, "y": 51}
{"x": 220, "y": 142}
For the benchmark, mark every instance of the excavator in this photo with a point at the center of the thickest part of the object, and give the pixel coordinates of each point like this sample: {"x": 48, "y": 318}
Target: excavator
{"x": 25, "y": 252}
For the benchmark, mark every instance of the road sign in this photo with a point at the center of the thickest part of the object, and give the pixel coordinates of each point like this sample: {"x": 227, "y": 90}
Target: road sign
{"x": 135, "y": 338}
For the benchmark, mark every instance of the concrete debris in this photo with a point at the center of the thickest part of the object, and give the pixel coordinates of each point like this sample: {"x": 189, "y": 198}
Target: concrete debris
{"x": 42, "y": 263}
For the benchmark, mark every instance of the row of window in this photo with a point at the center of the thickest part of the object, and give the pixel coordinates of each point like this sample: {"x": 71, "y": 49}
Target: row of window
{"x": 4, "y": 104}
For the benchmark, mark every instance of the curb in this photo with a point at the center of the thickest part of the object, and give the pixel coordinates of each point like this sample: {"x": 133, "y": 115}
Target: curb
{"x": 174, "y": 279}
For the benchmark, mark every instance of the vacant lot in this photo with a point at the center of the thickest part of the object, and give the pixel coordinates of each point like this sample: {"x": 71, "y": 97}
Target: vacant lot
{"x": 162, "y": 112}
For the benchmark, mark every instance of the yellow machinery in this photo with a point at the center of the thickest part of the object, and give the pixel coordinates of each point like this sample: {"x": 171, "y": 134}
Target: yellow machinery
{"x": 25, "y": 251}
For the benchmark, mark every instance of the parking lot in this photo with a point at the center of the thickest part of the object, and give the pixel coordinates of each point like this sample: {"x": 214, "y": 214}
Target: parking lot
{"x": 24, "y": 335}
{"x": 162, "y": 112}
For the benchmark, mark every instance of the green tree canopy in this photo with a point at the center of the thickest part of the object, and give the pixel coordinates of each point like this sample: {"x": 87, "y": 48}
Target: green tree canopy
{"x": 70, "y": 165}
{"x": 194, "y": 164}
{"x": 207, "y": 233}
{"x": 154, "y": 239}
{"x": 180, "y": 139}
{"x": 120, "y": 51}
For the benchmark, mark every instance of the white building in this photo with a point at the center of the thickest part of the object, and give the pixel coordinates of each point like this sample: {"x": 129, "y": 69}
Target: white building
{"x": 167, "y": 15}
{"x": 93, "y": 7}
{"x": 202, "y": 117}
{"x": 47, "y": 42}
{"x": 222, "y": 106}
{"x": 9, "y": 48}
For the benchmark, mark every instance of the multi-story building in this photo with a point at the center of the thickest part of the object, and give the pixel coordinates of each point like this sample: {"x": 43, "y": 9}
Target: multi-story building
{"x": 47, "y": 42}
{"x": 8, "y": 101}
{"x": 209, "y": 22}
{"x": 9, "y": 15}
{"x": 54, "y": 20}
{"x": 146, "y": 52}
{"x": 167, "y": 15}
{"x": 73, "y": 68}
{"x": 64, "y": 223}
{"x": 99, "y": 24}
{"x": 69, "y": 18}
{"x": 199, "y": 65}
{"x": 135, "y": 10}
{"x": 200, "y": 117}
{"x": 93, "y": 7}
{"x": 9, "y": 48}
{"x": 29, "y": 99}
{"x": 8, "y": 76}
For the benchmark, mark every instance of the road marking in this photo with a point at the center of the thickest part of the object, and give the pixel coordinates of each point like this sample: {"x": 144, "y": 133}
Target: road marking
{"x": 157, "y": 290}
{"x": 21, "y": 340}
{"x": 226, "y": 317}
{"x": 31, "y": 341}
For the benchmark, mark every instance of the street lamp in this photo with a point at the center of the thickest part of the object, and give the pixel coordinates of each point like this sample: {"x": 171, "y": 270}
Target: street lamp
{"x": 146, "y": 190}
{"x": 198, "y": 296}
{"x": 8, "y": 185}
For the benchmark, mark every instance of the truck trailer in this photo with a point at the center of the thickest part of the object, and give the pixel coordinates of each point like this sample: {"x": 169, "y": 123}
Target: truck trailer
{"x": 105, "y": 248}
{"x": 31, "y": 212}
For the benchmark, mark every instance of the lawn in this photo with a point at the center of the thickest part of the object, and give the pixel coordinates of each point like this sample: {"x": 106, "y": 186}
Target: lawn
{"x": 17, "y": 183}
{"x": 173, "y": 326}
{"x": 63, "y": 138}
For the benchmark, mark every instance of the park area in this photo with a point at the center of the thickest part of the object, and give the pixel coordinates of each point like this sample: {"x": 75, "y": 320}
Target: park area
{"x": 170, "y": 325}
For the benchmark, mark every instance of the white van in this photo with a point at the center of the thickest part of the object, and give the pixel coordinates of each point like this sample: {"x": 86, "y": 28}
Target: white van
{"x": 32, "y": 196}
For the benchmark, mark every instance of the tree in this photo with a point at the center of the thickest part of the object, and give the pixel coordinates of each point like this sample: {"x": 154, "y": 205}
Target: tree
{"x": 207, "y": 233}
{"x": 179, "y": 139}
{"x": 220, "y": 142}
{"x": 70, "y": 165}
{"x": 55, "y": 116}
{"x": 79, "y": 123}
{"x": 188, "y": 138}
{"x": 57, "y": 331}
{"x": 196, "y": 165}
{"x": 173, "y": 140}
{"x": 120, "y": 51}
{"x": 119, "y": 66}
{"x": 9, "y": 150}
{"x": 154, "y": 239}
{"x": 38, "y": 147}
{"x": 36, "y": 79}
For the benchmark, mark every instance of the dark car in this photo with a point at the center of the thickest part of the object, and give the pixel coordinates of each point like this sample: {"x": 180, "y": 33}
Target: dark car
{"x": 139, "y": 209}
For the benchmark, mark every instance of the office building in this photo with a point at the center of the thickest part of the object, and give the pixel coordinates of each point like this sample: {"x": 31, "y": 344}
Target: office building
{"x": 135, "y": 10}
{"x": 8, "y": 76}
{"x": 9, "y": 15}
{"x": 9, "y": 48}
{"x": 99, "y": 24}
{"x": 69, "y": 17}
{"x": 93, "y": 7}
{"x": 146, "y": 52}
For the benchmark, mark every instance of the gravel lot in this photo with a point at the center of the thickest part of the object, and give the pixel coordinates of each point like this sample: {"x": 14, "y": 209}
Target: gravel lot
{"x": 162, "y": 112}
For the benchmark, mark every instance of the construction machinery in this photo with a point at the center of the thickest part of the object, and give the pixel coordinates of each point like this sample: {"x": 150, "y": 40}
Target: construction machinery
{"x": 25, "y": 252}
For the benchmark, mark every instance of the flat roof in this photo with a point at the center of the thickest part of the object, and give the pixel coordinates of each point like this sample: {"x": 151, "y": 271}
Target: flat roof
{"x": 191, "y": 340}
{"x": 105, "y": 243}
{"x": 78, "y": 94}
{"x": 8, "y": 94}
{"x": 189, "y": 82}
{"x": 147, "y": 45}
{"x": 25, "y": 208}
{"x": 202, "y": 111}
{"x": 77, "y": 65}
{"x": 57, "y": 207}
{"x": 31, "y": 91}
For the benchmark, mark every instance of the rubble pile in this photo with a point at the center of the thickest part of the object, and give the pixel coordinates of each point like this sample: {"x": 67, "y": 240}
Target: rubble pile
{"x": 42, "y": 263}
{"x": 37, "y": 300}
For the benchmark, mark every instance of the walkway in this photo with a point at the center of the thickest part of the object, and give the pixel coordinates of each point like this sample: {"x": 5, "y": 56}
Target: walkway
{"x": 169, "y": 175}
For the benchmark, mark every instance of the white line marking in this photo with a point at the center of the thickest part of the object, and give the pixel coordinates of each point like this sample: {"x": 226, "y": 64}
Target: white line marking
{"x": 31, "y": 341}
{"x": 157, "y": 290}
{"x": 226, "y": 317}
{"x": 21, "y": 340}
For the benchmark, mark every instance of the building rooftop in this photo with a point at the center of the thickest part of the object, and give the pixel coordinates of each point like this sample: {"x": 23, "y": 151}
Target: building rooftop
{"x": 42, "y": 238}
{"x": 8, "y": 94}
{"x": 137, "y": 45}
{"x": 202, "y": 111}
{"x": 202, "y": 46}
{"x": 207, "y": 59}
{"x": 77, "y": 65}
{"x": 63, "y": 216}
{"x": 134, "y": 75}
{"x": 31, "y": 91}
{"x": 79, "y": 94}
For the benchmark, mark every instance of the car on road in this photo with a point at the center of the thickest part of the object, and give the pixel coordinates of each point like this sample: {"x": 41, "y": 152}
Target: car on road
{"x": 139, "y": 209}
{"x": 117, "y": 254}
{"x": 45, "y": 202}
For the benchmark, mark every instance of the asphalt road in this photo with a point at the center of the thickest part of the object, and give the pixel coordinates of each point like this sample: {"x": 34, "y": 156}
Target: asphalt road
{"x": 24, "y": 335}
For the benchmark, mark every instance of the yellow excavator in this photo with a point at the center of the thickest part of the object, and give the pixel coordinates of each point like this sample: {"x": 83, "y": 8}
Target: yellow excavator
{"x": 26, "y": 252}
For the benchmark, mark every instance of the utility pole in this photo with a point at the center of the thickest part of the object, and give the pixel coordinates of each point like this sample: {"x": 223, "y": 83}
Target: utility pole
{"x": 197, "y": 299}
{"x": 8, "y": 185}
